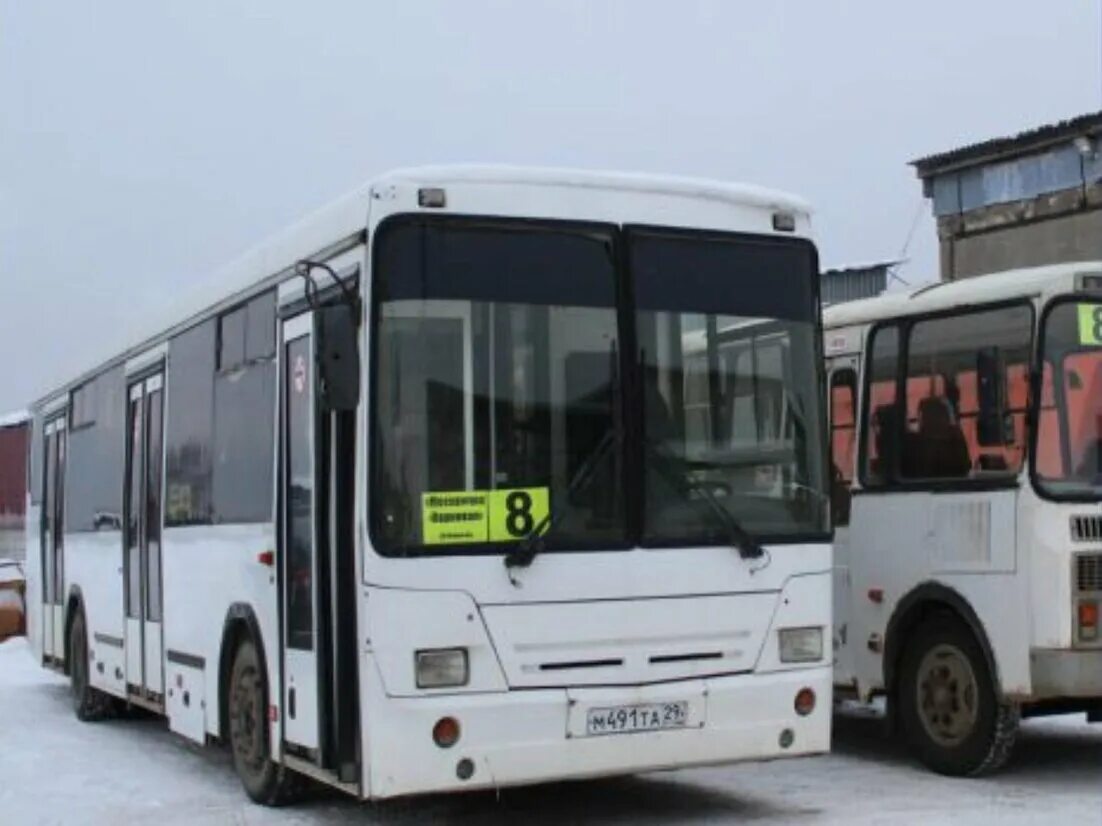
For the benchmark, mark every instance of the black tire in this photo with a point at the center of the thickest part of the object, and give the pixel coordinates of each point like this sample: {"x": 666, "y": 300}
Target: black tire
{"x": 952, "y": 716}
{"x": 265, "y": 782}
{"x": 89, "y": 704}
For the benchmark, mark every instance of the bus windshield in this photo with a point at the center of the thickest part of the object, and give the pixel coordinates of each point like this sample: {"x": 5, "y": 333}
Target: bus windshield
{"x": 728, "y": 337}
{"x": 1068, "y": 461}
{"x": 499, "y": 408}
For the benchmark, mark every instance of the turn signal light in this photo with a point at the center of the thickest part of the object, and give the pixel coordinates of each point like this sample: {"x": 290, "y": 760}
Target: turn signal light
{"x": 805, "y": 701}
{"x": 1088, "y": 621}
{"x": 446, "y": 732}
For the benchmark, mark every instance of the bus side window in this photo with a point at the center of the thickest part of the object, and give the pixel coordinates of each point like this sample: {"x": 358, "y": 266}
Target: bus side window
{"x": 882, "y": 421}
{"x": 843, "y": 440}
{"x": 966, "y": 394}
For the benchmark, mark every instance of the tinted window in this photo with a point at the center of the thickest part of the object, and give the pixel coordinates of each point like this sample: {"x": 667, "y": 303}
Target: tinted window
{"x": 153, "y": 403}
{"x": 300, "y": 495}
{"x": 260, "y": 327}
{"x": 231, "y": 339}
{"x": 967, "y": 387}
{"x": 732, "y": 417}
{"x": 82, "y": 407}
{"x": 882, "y": 415}
{"x": 189, "y": 426}
{"x": 843, "y": 440}
{"x": 244, "y": 407}
{"x": 97, "y": 454}
{"x": 495, "y": 375}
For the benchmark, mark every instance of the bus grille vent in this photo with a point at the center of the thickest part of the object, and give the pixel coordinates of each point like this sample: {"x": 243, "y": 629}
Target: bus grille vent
{"x": 1086, "y": 529}
{"x": 1088, "y": 572}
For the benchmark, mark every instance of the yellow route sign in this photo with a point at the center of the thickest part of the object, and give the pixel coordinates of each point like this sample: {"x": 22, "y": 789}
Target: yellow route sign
{"x": 1090, "y": 324}
{"x": 467, "y": 516}
{"x": 454, "y": 517}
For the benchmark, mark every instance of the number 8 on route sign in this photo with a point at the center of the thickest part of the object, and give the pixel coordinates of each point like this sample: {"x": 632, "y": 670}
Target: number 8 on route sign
{"x": 517, "y": 512}
{"x": 1090, "y": 324}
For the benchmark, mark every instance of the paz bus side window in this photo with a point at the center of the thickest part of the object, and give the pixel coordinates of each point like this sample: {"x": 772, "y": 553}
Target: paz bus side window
{"x": 967, "y": 385}
{"x": 881, "y": 421}
{"x": 843, "y": 439}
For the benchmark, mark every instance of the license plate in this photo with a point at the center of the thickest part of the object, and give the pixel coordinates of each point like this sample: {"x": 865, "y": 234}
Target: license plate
{"x": 643, "y": 717}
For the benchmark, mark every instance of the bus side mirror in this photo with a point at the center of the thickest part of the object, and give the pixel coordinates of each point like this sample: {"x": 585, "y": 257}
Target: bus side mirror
{"x": 338, "y": 357}
{"x": 992, "y": 422}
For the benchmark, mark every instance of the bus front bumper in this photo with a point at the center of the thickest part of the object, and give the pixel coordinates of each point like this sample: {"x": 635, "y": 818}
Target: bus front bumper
{"x": 1060, "y": 673}
{"x": 538, "y": 735}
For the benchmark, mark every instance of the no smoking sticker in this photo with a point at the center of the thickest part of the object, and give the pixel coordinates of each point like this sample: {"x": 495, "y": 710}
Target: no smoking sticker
{"x": 298, "y": 374}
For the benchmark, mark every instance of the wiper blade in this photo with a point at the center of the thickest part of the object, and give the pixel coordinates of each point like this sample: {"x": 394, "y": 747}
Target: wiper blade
{"x": 530, "y": 546}
{"x": 740, "y": 538}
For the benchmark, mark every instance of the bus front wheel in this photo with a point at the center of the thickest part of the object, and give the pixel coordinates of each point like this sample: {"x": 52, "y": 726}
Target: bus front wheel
{"x": 265, "y": 781}
{"x": 952, "y": 715}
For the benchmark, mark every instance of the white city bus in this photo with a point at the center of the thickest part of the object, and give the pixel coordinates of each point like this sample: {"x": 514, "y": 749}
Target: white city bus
{"x": 413, "y": 500}
{"x": 966, "y": 425}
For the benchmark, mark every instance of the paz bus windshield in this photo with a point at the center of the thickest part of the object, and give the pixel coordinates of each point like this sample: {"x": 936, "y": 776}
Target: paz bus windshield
{"x": 505, "y": 399}
{"x": 1068, "y": 450}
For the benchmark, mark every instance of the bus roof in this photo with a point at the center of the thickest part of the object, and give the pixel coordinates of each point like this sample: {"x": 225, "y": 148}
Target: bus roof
{"x": 945, "y": 295}
{"x": 343, "y": 219}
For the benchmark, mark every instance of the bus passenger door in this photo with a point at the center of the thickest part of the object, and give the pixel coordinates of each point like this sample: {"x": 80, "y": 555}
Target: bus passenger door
{"x": 318, "y": 571}
{"x": 842, "y": 403}
{"x": 142, "y": 537}
{"x": 53, "y": 536}
{"x": 299, "y": 498}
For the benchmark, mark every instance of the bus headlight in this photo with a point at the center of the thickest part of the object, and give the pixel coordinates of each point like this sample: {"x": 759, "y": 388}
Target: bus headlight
{"x": 441, "y": 668}
{"x": 800, "y": 645}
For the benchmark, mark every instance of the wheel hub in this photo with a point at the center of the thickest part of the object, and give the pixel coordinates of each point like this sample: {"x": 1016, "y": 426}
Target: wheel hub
{"x": 947, "y": 695}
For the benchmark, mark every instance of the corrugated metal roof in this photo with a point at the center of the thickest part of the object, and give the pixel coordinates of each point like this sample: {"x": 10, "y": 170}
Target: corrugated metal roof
{"x": 1012, "y": 145}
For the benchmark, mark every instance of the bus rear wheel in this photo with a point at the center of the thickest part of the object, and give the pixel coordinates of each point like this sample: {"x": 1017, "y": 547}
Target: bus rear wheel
{"x": 89, "y": 703}
{"x": 265, "y": 781}
{"x": 952, "y": 715}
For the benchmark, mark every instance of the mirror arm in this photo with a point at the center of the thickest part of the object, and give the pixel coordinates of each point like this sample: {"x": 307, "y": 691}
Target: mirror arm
{"x": 304, "y": 269}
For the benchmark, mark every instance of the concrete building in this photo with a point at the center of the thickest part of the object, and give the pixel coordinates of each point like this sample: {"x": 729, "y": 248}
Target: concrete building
{"x": 849, "y": 283}
{"x": 14, "y": 442}
{"x": 1027, "y": 200}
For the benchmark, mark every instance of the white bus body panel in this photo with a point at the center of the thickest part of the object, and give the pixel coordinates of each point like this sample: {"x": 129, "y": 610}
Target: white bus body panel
{"x": 207, "y": 570}
{"x": 95, "y": 567}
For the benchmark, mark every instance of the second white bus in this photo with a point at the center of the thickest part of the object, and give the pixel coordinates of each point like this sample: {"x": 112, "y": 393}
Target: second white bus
{"x": 966, "y": 423}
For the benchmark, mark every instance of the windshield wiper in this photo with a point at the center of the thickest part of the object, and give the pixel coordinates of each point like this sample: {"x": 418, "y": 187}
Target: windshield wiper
{"x": 530, "y": 546}
{"x": 739, "y": 538}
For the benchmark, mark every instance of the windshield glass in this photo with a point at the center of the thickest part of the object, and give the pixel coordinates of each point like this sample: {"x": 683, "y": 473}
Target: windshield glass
{"x": 1069, "y": 423}
{"x": 727, "y": 333}
{"x": 495, "y": 380}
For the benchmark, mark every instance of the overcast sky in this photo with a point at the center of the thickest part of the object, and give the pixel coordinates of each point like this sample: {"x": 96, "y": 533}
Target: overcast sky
{"x": 143, "y": 144}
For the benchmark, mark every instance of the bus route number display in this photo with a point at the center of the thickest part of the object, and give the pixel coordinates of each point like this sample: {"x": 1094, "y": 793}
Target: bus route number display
{"x": 465, "y": 516}
{"x": 1090, "y": 324}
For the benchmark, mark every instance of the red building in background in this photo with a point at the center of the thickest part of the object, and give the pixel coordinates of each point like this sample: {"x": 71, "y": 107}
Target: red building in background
{"x": 15, "y": 433}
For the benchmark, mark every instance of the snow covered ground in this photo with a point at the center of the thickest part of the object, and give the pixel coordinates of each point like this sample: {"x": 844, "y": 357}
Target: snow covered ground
{"x": 54, "y": 769}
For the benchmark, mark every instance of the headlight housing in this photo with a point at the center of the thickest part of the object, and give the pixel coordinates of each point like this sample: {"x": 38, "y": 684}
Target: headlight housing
{"x": 800, "y": 645}
{"x": 441, "y": 668}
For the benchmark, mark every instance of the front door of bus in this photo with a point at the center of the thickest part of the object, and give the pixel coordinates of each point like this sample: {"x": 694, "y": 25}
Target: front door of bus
{"x": 320, "y": 719}
{"x": 142, "y": 537}
{"x": 53, "y": 540}
{"x": 300, "y": 535}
